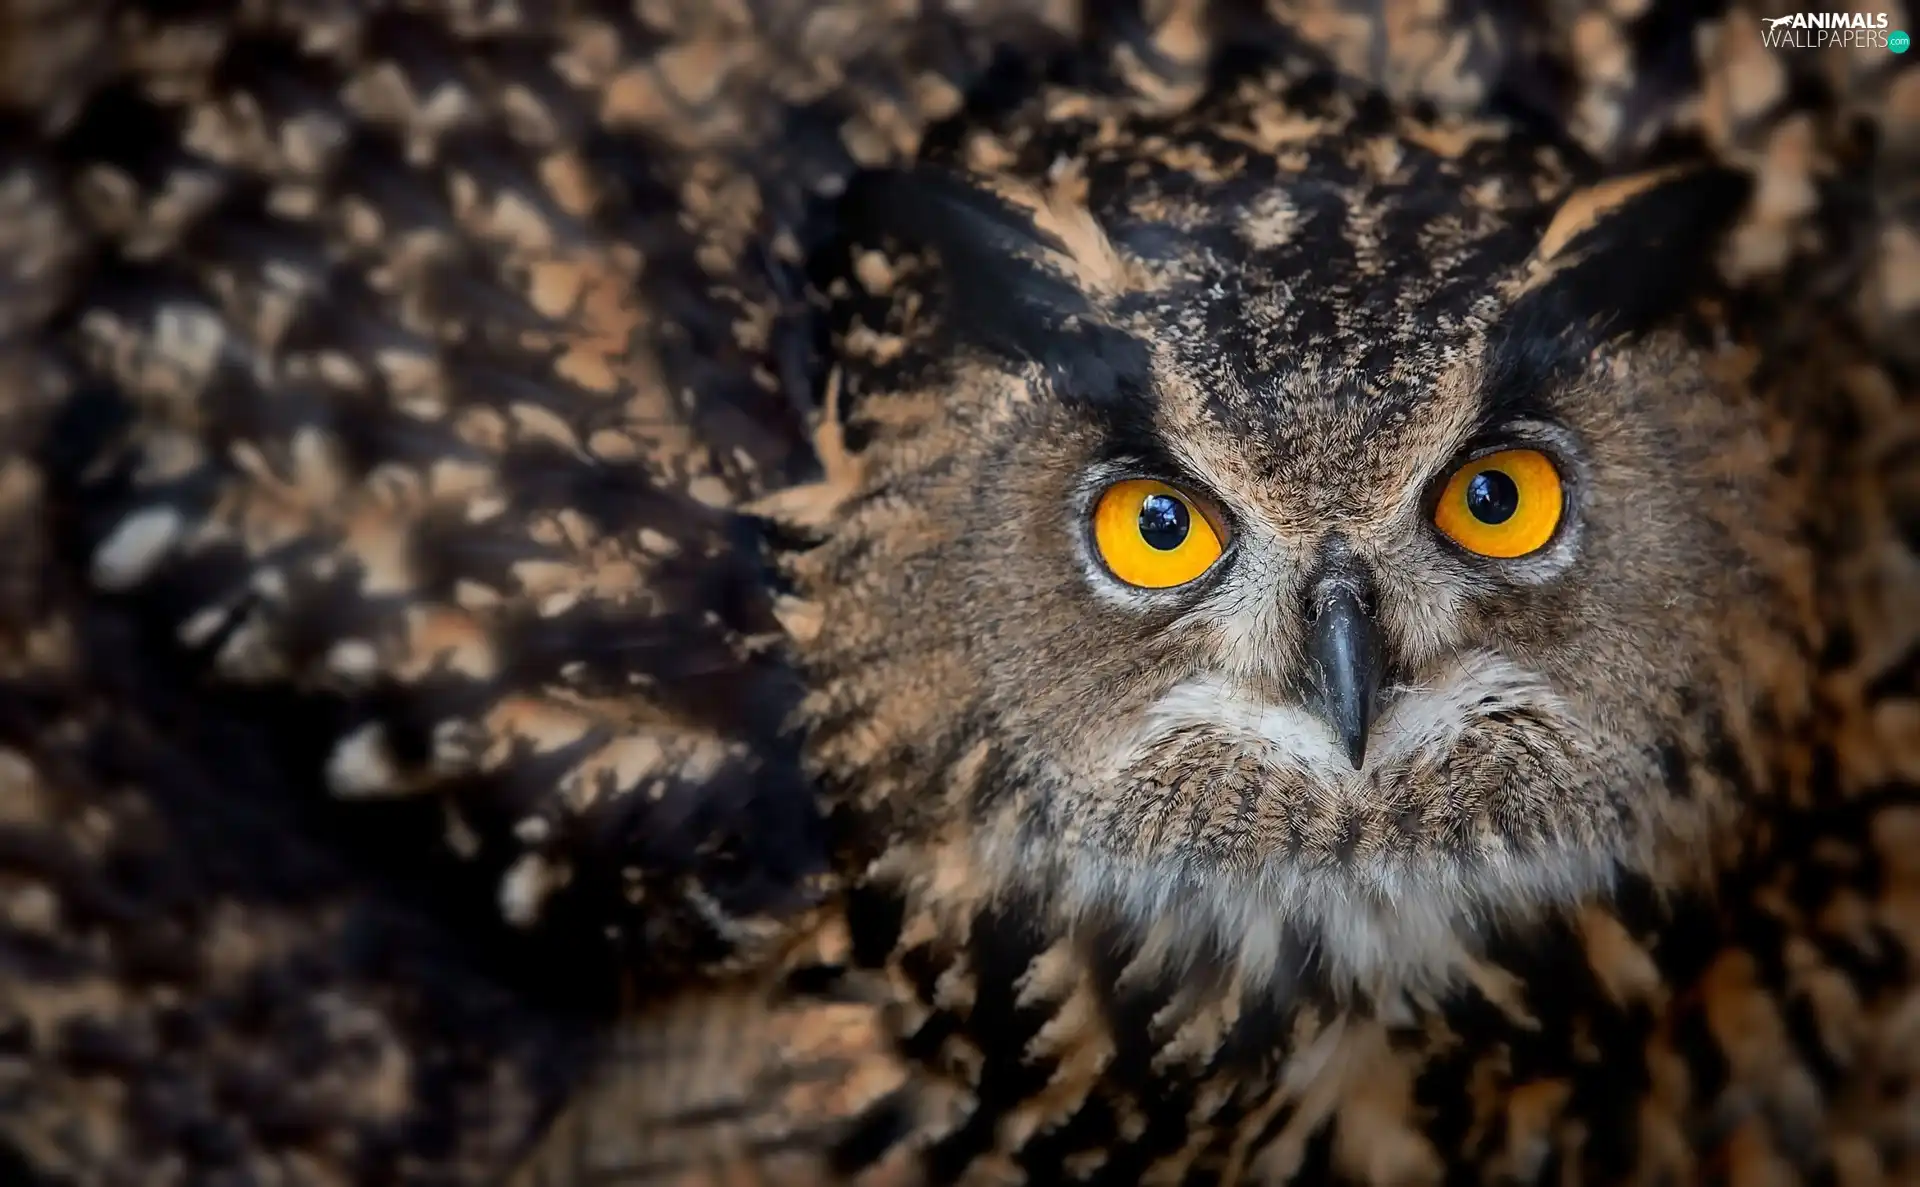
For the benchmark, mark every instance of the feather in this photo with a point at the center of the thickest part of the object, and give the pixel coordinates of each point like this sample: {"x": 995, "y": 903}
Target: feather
{"x": 396, "y": 701}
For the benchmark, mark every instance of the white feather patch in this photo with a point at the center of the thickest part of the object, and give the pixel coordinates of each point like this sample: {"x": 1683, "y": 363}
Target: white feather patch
{"x": 1385, "y": 924}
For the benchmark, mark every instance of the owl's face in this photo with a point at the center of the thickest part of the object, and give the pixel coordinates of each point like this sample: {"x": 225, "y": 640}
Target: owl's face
{"x": 1301, "y": 544}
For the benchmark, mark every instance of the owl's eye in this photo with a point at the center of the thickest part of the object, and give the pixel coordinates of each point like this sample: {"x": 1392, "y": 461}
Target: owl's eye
{"x": 1503, "y": 505}
{"x": 1152, "y": 536}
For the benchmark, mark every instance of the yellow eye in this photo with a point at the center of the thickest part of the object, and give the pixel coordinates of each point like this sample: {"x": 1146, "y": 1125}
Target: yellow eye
{"x": 1505, "y": 504}
{"x": 1153, "y": 536}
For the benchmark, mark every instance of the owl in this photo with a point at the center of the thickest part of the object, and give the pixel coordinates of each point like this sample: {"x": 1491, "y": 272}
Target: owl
{"x": 976, "y": 593}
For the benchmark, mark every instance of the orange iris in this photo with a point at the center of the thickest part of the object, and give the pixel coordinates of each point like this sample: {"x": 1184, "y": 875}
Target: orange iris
{"x": 1150, "y": 535}
{"x": 1505, "y": 505}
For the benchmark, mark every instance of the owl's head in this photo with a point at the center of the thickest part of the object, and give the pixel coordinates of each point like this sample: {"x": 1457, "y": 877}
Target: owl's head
{"x": 1302, "y": 533}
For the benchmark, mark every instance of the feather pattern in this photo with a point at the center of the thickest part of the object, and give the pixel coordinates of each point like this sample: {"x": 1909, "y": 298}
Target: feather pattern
{"x": 401, "y": 409}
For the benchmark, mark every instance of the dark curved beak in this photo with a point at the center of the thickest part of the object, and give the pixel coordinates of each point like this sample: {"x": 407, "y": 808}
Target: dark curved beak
{"x": 1344, "y": 664}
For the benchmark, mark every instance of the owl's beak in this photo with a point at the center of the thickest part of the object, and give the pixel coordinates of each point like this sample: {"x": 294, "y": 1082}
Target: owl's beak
{"x": 1344, "y": 664}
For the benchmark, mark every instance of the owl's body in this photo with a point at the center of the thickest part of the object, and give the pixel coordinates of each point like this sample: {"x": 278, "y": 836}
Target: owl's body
{"x": 570, "y": 571}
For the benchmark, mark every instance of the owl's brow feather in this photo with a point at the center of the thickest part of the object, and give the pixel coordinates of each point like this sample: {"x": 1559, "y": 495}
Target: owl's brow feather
{"x": 1520, "y": 371}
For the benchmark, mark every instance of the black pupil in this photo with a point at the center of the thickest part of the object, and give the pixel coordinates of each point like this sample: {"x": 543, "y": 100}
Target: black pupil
{"x": 1163, "y": 522}
{"x": 1492, "y": 497}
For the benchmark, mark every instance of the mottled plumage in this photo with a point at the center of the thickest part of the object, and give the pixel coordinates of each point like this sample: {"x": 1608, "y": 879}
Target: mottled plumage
{"x": 543, "y": 625}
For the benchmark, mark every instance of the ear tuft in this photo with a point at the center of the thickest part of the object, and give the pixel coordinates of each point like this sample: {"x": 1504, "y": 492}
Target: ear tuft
{"x": 1621, "y": 255}
{"x": 1012, "y": 277}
